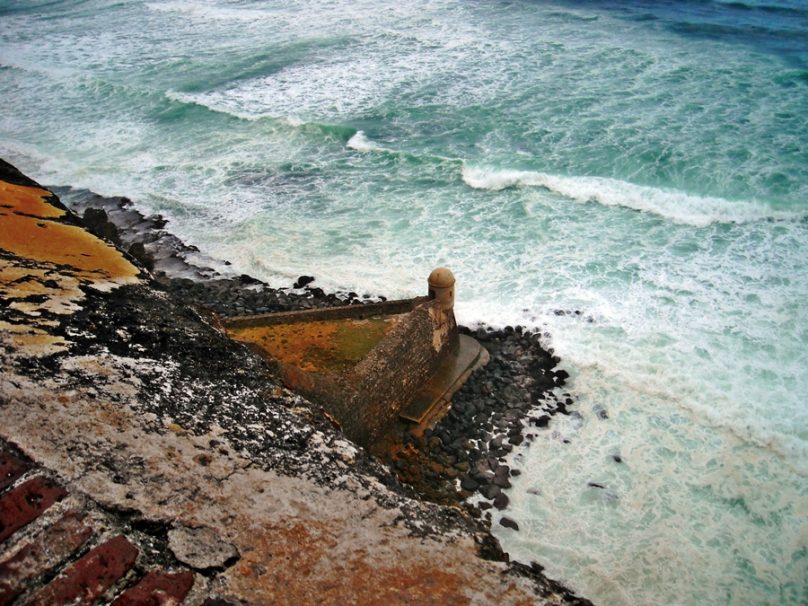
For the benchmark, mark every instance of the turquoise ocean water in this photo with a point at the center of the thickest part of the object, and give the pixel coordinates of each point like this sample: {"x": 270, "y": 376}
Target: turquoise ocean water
{"x": 645, "y": 163}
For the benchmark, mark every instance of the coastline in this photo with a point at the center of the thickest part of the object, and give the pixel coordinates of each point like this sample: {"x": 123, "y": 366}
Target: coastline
{"x": 479, "y": 409}
{"x": 502, "y": 405}
{"x": 629, "y": 179}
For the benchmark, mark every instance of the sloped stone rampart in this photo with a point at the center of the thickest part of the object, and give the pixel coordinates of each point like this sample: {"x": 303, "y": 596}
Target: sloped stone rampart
{"x": 367, "y": 398}
{"x": 385, "y": 381}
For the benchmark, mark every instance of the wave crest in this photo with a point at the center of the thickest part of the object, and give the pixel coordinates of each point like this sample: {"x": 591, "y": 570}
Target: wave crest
{"x": 361, "y": 143}
{"x": 676, "y": 206}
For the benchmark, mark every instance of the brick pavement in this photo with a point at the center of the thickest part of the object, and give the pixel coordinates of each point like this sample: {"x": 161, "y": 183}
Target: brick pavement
{"x": 56, "y": 550}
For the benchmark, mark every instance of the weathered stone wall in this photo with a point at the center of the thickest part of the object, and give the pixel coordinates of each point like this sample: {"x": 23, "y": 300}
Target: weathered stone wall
{"x": 355, "y": 312}
{"x": 387, "y": 379}
{"x": 368, "y": 398}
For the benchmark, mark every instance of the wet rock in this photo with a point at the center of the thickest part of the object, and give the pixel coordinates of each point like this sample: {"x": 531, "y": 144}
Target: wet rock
{"x": 561, "y": 376}
{"x": 490, "y": 491}
{"x": 469, "y": 483}
{"x": 97, "y": 222}
{"x": 303, "y": 281}
{"x": 508, "y": 523}
{"x": 502, "y": 471}
{"x": 141, "y": 255}
{"x": 482, "y": 467}
{"x": 248, "y": 280}
{"x": 502, "y": 482}
{"x": 462, "y": 466}
{"x": 501, "y": 501}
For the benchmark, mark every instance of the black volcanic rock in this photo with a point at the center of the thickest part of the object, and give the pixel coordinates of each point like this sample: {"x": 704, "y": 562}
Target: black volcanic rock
{"x": 508, "y": 523}
{"x": 303, "y": 281}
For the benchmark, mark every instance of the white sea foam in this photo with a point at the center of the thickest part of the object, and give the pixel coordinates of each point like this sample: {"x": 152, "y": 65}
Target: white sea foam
{"x": 313, "y": 91}
{"x": 339, "y": 85}
{"x": 209, "y": 12}
{"x": 361, "y": 143}
{"x": 679, "y": 496}
{"x": 206, "y": 101}
{"x": 215, "y": 104}
{"x": 679, "y": 207}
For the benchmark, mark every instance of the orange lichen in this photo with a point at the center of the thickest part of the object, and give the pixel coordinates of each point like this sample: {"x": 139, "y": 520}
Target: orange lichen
{"x": 45, "y": 264}
{"x": 318, "y": 346}
{"x": 32, "y": 339}
{"x": 62, "y": 244}
{"x": 18, "y": 282}
{"x": 28, "y": 200}
{"x": 295, "y": 564}
{"x": 29, "y": 232}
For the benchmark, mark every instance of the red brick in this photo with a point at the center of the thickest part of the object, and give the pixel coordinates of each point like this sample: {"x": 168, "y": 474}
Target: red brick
{"x": 158, "y": 588}
{"x": 41, "y": 555}
{"x": 91, "y": 576}
{"x": 11, "y": 468}
{"x": 25, "y": 503}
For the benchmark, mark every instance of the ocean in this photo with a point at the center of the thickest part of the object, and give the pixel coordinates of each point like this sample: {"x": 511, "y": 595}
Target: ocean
{"x": 628, "y": 177}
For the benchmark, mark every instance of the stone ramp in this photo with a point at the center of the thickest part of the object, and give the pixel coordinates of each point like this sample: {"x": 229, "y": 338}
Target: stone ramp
{"x": 433, "y": 400}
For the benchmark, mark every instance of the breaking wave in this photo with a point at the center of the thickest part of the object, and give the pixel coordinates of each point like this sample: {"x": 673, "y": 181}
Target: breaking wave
{"x": 361, "y": 143}
{"x": 676, "y": 206}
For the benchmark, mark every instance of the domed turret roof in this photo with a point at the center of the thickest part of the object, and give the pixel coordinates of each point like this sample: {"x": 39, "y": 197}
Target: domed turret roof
{"x": 441, "y": 278}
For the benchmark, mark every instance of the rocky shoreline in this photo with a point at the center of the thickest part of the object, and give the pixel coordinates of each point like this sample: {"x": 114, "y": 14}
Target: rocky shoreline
{"x": 502, "y": 405}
